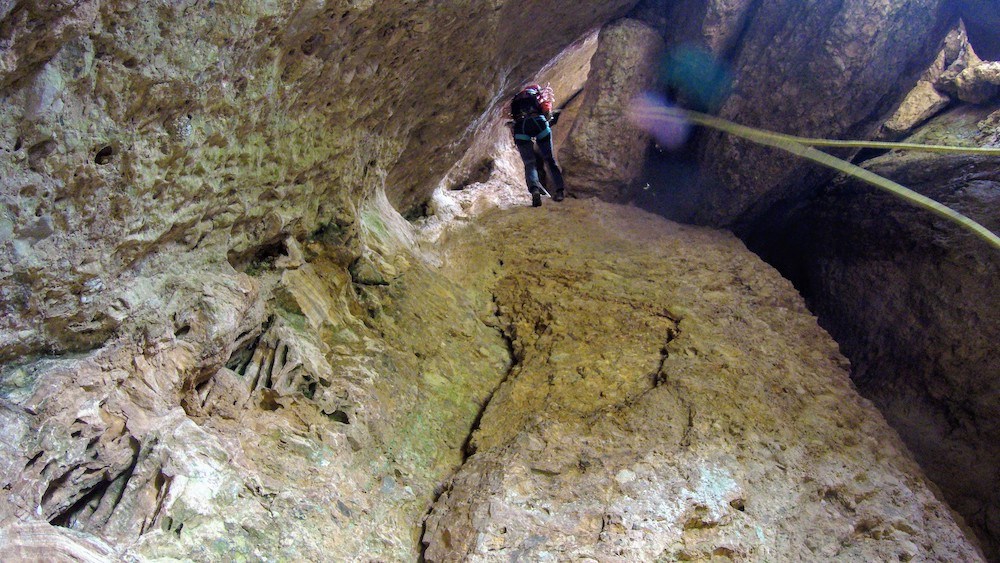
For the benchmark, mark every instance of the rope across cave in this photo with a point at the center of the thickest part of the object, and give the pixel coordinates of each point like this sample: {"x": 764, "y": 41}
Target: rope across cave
{"x": 804, "y": 147}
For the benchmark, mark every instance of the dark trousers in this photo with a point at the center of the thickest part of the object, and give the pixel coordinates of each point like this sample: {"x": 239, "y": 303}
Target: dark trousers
{"x": 527, "y": 151}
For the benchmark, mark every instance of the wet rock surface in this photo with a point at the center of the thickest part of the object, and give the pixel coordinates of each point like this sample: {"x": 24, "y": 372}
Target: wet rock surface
{"x": 672, "y": 399}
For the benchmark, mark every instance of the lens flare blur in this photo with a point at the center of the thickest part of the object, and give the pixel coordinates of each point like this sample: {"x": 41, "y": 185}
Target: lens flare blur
{"x": 696, "y": 78}
{"x": 651, "y": 113}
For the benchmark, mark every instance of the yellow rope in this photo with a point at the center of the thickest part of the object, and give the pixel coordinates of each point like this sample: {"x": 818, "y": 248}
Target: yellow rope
{"x": 803, "y": 147}
{"x": 750, "y": 133}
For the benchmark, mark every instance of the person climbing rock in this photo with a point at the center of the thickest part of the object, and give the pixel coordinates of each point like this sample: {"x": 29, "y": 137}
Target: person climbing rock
{"x": 531, "y": 111}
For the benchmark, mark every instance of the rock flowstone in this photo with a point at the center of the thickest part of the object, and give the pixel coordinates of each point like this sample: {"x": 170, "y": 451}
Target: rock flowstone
{"x": 290, "y": 415}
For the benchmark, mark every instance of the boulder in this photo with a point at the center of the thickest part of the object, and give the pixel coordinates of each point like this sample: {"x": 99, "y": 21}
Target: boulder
{"x": 922, "y": 103}
{"x": 682, "y": 406}
{"x": 931, "y": 94}
{"x": 980, "y": 83}
{"x": 604, "y": 153}
{"x": 842, "y": 79}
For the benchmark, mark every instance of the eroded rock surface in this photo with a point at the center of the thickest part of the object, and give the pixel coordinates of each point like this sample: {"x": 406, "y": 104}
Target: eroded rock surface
{"x": 219, "y": 341}
{"x": 295, "y": 414}
{"x": 931, "y": 94}
{"x": 713, "y": 24}
{"x": 980, "y": 83}
{"x": 672, "y": 400}
{"x": 135, "y": 129}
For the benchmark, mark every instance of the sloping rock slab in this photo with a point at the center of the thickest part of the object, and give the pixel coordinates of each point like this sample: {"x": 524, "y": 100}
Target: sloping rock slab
{"x": 913, "y": 300}
{"x": 673, "y": 400}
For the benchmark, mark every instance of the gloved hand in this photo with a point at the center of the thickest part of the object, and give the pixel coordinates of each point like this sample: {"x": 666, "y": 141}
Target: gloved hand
{"x": 555, "y": 117}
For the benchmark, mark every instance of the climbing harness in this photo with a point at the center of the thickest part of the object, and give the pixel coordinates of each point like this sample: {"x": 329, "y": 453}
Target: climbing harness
{"x": 531, "y": 128}
{"x": 804, "y": 147}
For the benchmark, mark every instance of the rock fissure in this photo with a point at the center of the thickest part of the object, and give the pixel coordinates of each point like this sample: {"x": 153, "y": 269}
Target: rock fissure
{"x": 468, "y": 449}
{"x": 730, "y": 51}
{"x": 660, "y": 377}
{"x": 468, "y": 446}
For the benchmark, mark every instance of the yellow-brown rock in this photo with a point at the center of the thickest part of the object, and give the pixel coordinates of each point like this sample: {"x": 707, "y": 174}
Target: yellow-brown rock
{"x": 672, "y": 400}
{"x": 604, "y": 153}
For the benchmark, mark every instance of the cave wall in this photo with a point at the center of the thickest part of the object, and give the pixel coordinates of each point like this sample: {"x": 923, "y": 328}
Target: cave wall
{"x": 295, "y": 414}
{"x": 913, "y": 300}
{"x": 134, "y": 130}
{"x": 164, "y": 165}
{"x": 910, "y": 299}
{"x": 817, "y": 68}
{"x": 839, "y": 81}
{"x": 208, "y": 291}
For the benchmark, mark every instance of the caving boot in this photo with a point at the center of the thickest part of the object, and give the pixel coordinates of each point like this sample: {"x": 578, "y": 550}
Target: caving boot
{"x": 536, "y": 197}
{"x": 559, "y": 195}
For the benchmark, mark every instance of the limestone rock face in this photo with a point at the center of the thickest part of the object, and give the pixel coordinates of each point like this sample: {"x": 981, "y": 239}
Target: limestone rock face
{"x": 134, "y": 130}
{"x": 951, "y": 62}
{"x": 922, "y": 103}
{"x": 220, "y": 340}
{"x": 604, "y": 152}
{"x": 913, "y": 300}
{"x": 817, "y": 69}
{"x": 38, "y": 541}
{"x": 713, "y": 24}
{"x": 672, "y": 399}
{"x": 980, "y": 83}
{"x": 933, "y": 92}
{"x": 291, "y": 414}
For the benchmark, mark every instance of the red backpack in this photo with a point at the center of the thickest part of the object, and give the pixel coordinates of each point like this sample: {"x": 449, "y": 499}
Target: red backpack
{"x": 532, "y": 100}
